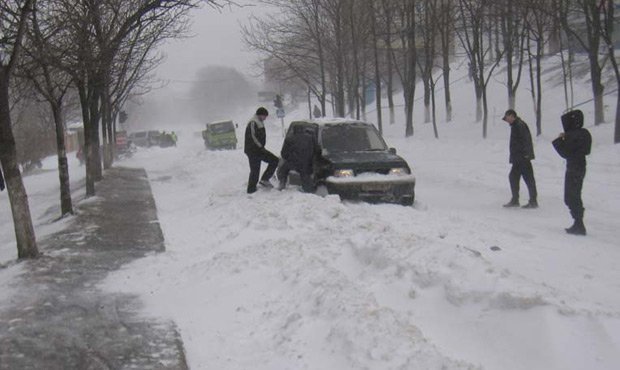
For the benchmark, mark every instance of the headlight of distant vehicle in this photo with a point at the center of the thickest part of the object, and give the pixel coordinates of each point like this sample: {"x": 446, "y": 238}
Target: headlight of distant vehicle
{"x": 399, "y": 171}
{"x": 344, "y": 173}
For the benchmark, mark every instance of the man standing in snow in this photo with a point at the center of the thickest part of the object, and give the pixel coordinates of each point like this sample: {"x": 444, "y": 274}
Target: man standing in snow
{"x": 521, "y": 156}
{"x": 255, "y": 138}
{"x": 317, "y": 112}
{"x": 298, "y": 153}
{"x": 573, "y": 145}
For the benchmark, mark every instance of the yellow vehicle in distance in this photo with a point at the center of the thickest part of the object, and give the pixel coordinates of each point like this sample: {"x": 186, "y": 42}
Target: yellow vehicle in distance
{"x": 220, "y": 135}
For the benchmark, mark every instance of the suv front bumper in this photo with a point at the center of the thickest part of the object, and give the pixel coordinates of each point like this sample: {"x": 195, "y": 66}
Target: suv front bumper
{"x": 376, "y": 188}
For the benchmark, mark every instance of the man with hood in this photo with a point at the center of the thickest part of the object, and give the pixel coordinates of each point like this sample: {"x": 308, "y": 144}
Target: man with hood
{"x": 254, "y": 148}
{"x": 521, "y": 156}
{"x": 298, "y": 152}
{"x": 573, "y": 145}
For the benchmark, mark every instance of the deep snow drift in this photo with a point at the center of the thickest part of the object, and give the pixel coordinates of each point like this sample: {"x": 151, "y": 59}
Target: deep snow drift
{"x": 286, "y": 280}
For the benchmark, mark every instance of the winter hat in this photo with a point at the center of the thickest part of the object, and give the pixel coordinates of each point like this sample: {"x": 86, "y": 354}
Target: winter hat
{"x": 262, "y": 112}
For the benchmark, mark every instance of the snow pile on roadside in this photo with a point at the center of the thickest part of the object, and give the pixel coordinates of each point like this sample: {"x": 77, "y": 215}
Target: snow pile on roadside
{"x": 271, "y": 280}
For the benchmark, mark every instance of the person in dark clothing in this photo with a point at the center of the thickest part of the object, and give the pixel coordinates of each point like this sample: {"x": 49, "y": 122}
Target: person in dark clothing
{"x": 521, "y": 156}
{"x": 573, "y": 145}
{"x": 1, "y": 180}
{"x": 255, "y": 138}
{"x": 317, "y": 112}
{"x": 298, "y": 153}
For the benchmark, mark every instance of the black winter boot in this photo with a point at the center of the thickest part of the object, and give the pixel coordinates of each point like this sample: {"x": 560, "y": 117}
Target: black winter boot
{"x": 578, "y": 228}
{"x": 531, "y": 204}
{"x": 512, "y": 203}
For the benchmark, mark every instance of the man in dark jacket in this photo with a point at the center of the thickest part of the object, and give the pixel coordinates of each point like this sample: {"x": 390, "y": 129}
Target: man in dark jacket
{"x": 521, "y": 156}
{"x": 573, "y": 145}
{"x": 255, "y": 138}
{"x": 298, "y": 153}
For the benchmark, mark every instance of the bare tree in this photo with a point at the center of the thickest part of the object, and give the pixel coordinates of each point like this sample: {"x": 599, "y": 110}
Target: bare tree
{"x": 98, "y": 30}
{"x": 446, "y": 23}
{"x": 583, "y": 21}
{"x": 474, "y": 16}
{"x": 388, "y": 19}
{"x": 511, "y": 15}
{"x": 538, "y": 26}
{"x": 52, "y": 84}
{"x": 294, "y": 43}
{"x": 607, "y": 35}
{"x": 405, "y": 58}
{"x": 377, "y": 76}
{"x": 14, "y": 16}
{"x": 335, "y": 25}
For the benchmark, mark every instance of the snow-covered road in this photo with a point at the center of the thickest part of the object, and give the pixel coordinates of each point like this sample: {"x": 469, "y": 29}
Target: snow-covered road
{"x": 279, "y": 280}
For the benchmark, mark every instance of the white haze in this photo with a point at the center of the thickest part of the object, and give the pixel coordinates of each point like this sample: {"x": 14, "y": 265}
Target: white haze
{"x": 214, "y": 40}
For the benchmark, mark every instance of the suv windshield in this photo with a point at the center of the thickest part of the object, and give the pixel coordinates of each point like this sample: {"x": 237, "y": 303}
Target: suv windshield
{"x": 351, "y": 138}
{"x": 220, "y": 128}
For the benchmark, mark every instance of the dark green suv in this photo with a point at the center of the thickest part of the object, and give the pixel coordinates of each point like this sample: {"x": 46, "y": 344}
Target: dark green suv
{"x": 355, "y": 162}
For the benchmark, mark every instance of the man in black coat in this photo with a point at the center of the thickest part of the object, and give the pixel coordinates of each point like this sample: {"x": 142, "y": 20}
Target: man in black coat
{"x": 298, "y": 153}
{"x": 573, "y": 145}
{"x": 255, "y": 138}
{"x": 521, "y": 156}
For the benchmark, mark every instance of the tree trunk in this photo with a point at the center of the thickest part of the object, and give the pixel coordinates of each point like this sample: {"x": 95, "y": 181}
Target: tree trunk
{"x": 309, "y": 103}
{"x": 597, "y": 90}
{"x": 617, "y": 128}
{"x": 95, "y": 118}
{"x": 390, "y": 67}
{"x": 446, "y": 83}
{"x": 66, "y": 204}
{"x": 485, "y": 118}
{"x": 22, "y": 220}
{"x": 409, "y": 101}
{"x": 539, "y": 46}
{"x": 479, "y": 94}
{"x": 375, "y": 50}
{"x": 564, "y": 74}
{"x": 84, "y": 104}
{"x": 106, "y": 120}
{"x": 531, "y": 72}
{"x": 319, "y": 45}
{"x": 434, "y": 110}
{"x": 427, "y": 93}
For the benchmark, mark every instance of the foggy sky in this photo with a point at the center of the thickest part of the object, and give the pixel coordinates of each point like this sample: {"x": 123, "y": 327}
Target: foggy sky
{"x": 216, "y": 41}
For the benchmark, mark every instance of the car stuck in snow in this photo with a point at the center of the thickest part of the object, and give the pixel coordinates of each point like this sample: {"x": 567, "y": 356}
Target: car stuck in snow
{"x": 355, "y": 162}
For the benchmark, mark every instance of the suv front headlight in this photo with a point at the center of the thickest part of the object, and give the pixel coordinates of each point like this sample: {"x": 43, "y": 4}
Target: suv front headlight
{"x": 399, "y": 171}
{"x": 344, "y": 173}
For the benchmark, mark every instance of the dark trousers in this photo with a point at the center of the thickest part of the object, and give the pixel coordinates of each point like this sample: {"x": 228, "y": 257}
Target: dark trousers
{"x": 304, "y": 173}
{"x": 522, "y": 169}
{"x": 573, "y": 183}
{"x": 255, "y": 160}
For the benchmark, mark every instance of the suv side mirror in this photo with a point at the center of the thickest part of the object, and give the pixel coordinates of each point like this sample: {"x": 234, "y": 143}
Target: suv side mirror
{"x": 392, "y": 150}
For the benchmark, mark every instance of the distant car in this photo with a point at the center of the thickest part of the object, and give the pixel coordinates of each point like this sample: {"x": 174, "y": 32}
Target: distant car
{"x": 356, "y": 163}
{"x": 154, "y": 137}
{"x": 139, "y": 138}
{"x": 145, "y": 138}
{"x": 220, "y": 135}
